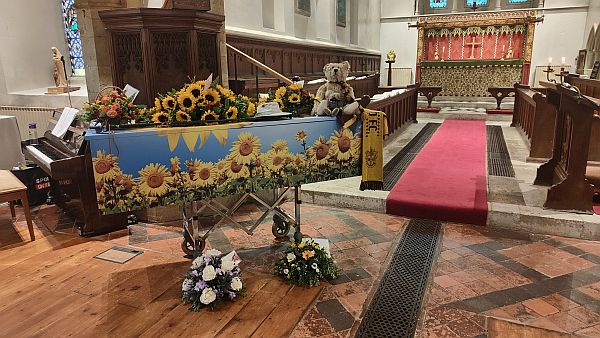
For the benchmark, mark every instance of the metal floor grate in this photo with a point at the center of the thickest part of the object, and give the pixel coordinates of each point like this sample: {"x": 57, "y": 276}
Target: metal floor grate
{"x": 499, "y": 163}
{"x": 396, "y": 305}
{"x": 399, "y": 163}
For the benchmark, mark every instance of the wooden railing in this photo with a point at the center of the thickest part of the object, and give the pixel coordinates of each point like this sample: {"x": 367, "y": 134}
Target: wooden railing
{"x": 367, "y": 86}
{"x": 590, "y": 88}
{"x": 399, "y": 109}
{"x": 524, "y": 111}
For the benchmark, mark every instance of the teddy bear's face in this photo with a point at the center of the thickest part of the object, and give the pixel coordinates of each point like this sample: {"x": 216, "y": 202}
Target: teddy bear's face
{"x": 336, "y": 72}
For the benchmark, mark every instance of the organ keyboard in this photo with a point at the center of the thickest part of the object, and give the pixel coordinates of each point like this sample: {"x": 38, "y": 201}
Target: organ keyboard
{"x": 68, "y": 162}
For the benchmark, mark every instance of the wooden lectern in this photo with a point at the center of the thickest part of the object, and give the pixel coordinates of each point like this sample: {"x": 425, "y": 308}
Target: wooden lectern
{"x": 156, "y": 50}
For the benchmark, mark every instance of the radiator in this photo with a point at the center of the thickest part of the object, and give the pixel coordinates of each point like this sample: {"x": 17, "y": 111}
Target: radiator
{"x": 400, "y": 76}
{"x": 26, "y": 115}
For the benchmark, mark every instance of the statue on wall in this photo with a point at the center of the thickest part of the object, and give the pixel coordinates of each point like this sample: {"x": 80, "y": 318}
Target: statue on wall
{"x": 60, "y": 77}
{"x": 436, "y": 55}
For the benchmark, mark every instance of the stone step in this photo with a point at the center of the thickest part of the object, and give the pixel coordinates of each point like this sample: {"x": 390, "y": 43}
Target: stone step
{"x": 467, "y": 102}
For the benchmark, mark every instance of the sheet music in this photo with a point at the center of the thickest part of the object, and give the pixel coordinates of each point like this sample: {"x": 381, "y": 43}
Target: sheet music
{"x": 66, "y": 118}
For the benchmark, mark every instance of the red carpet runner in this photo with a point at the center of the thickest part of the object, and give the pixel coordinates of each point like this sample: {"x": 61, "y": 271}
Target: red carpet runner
{"x": 447, "y": 179}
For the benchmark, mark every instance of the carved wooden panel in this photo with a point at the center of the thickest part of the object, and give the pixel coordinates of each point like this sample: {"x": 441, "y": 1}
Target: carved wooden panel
{"x": 208, "y": 56}
{"x": 292, "y": 59}
{"x": 171, "y": 59}
{"x": 130, "y": 65}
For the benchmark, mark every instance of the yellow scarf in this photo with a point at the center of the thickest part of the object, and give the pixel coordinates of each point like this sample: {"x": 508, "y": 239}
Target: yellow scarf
{"x": 373, "y": 129}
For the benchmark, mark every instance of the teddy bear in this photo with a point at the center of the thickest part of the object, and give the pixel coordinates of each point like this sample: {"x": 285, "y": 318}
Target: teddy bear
{"x": 335, "y": 95}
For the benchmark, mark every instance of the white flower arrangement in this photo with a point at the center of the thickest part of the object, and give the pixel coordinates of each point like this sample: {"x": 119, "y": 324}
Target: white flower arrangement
{"x": 306, "y": 263}
{"x": 211, "y": 279}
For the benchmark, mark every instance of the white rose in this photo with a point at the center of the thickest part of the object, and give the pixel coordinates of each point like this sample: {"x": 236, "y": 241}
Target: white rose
{"x": 236, "y": 284}
{"x": 227, "y": 265}
{"x": 208, "y": 296}
{"x": 213, "y": 252}
{"x": 314, "y": 266}
{"x": 209, "y": 273}
{"x": 197, "y": 262}
{"x": 187, "y": 285}
{"x": 291, "y": 257}
{"x": 286, "y": 271}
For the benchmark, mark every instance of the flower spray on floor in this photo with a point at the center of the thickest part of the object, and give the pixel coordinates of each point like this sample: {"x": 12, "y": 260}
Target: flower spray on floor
{"x": 212, "y": 279}
{"x": 306, "y": 263}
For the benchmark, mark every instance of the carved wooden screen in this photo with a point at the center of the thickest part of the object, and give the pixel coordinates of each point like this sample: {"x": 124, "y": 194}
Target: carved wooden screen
{"x": 130, "y": 64}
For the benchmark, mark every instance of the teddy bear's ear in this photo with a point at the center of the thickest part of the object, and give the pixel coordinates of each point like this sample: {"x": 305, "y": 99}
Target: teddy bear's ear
{"x": 346, "y": 65}
{"x": 326, "y": 67}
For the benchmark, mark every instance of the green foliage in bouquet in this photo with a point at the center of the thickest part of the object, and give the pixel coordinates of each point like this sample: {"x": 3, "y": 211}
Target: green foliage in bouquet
{"x": 305, "y": 264}
{"x": 293, "y": 99}
{"x": 194, "y": 103}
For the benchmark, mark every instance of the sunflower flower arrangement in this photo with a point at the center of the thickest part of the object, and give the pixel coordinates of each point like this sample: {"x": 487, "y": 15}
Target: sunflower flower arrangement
{"x": 305, "y": 264}
{"x": 212, "y": 278}
{"x": 198, "y": 103}
{"x": 114, "y": 108}
{"x": 293, "y": 99}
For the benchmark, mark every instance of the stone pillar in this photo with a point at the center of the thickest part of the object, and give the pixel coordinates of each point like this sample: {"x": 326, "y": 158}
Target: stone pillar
{"x": 455, "y": 5}
{"x": 218, "y": 7}
{"x": 95, "y": 45}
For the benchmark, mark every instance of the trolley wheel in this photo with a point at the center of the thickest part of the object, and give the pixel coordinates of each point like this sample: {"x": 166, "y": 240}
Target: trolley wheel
{"x": 187, "y": 246}
{"x": 281, "y": 227}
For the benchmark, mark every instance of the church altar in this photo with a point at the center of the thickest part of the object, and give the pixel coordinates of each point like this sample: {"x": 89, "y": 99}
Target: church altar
{"x": 466, "y": 54}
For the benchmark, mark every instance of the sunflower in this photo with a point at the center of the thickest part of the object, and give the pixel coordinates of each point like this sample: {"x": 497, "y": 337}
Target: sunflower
{"x": 202, "y": 174}
{"x": 105, "y": 166}
{"x": 320, "y": 151}
{"x": 280, "y": 92}
{"x": 280, "y": 103}
{"x": 276, "y": 160}
{"x": 279, "y": 145}
{"x": 251, "y": 110}
{"x": 343, "y": 145}
{"x": 245, "y": 149}
{"x": 157, "y": 103}
{"x": 234, "y": 169}
{"x": 210, "y": 96}
{"x": 186, "y": 101}
{"x": 294, "y": 98}
{"x": 160, "y": 117}
{"x": 231, "y": 113}
{"x": 298, "y": 160}
{"x": 301, "y": 136}
{"x": 196, "y": 90}
{"x": 154, "y": 180}
{"x": 209, "y": 116}
{"x": 169, "y": 102}
{"x": 226, "y": 92}
{"x": 182, "y": 116}
{"x": 295, "y": 86}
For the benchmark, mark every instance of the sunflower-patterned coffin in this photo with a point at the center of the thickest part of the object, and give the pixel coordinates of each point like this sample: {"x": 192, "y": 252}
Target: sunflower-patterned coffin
{"x": 136, "y": 169}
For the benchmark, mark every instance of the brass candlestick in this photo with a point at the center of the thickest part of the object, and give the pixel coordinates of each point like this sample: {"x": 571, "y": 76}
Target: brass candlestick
{"x": 548, "y": 71}
{"x": 563, "y": 73}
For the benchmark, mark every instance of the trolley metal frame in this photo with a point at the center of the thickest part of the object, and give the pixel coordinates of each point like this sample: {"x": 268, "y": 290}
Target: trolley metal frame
{"x": 194, "y": 242}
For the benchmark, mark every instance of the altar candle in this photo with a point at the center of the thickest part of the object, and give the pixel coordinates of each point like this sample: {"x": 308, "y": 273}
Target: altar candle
{"x": 503, "y": 47}
{"x": 443, "y": 50}
{"x": 550, "y": 61}
{"x": 562, "y": 61}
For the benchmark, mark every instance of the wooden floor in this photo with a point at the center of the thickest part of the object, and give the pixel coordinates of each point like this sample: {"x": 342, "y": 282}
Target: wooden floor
{"x": 55, "y": 287}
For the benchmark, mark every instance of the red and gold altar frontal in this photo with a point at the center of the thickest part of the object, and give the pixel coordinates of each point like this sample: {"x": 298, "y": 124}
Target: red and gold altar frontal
{"x": 495, "y": 48}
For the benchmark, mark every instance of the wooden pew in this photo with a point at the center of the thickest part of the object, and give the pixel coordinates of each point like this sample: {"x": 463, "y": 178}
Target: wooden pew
{"x": 535, "y": 117}
{"x": 565, "y": 171}
{"x": 590, "y": 88}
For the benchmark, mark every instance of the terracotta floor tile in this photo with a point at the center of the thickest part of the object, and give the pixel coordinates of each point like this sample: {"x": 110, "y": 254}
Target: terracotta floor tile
{"x": 461, "y": 291}
{"x": 526, "y": 249}
{"x": 442, "y": 331}
{"x": 591, "y": 247}
{"x": 480, "y": 287}
{"x": 468, "y": 275}
{"x": 592, "y": 290}
{"x": 546, "y": 324}
{"x": 560, "y": 302}
{"x": 521, "y": 313}
{"x": 593, "y": 331}
{"x": 445, "y": 281}
{"x": 442, "y": 315}
{"x": 540, "y": 307}
{"x": 466, "y": 328}
{"x": 586, "y": 316}
{"x": 567, "y": 322}
{"x": 449, "y": 255}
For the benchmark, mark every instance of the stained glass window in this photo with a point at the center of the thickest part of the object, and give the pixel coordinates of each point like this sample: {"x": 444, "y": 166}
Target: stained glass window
{"x": 73, "y": 36}
{"x": 438, "y": 3}
{"x": 517, "y": 1}
{"x": 477, "y": 2}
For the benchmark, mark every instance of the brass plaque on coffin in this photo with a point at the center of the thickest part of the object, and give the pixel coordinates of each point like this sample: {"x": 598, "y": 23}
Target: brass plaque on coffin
{"x": 199, "y": 5}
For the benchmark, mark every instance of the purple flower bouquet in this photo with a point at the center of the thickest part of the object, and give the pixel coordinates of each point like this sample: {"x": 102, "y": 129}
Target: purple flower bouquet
{"x": 211, "y": 279}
